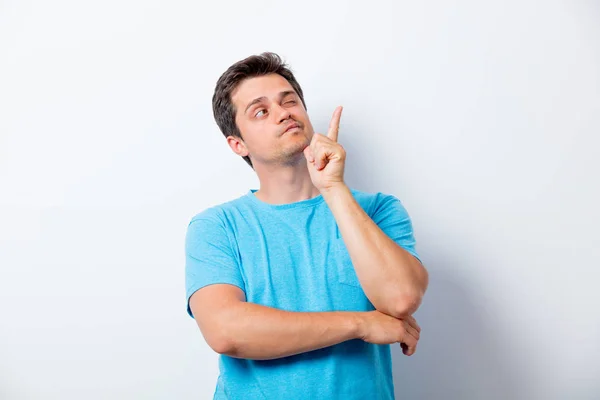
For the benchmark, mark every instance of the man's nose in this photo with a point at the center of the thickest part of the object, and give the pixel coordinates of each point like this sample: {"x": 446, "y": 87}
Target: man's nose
{"x": 281, "y": 113}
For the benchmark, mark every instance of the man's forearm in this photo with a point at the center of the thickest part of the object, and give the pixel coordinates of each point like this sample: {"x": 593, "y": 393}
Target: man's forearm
{"x": 258, "y": 332}
{"x": 393, "y": 280}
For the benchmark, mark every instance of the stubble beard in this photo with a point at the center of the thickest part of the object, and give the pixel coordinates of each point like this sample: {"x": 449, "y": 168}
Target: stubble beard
{"x": 292, "y": 153}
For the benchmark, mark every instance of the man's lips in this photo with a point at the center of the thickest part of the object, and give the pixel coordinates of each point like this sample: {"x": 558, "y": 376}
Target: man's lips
{"x": 292, "y": 126}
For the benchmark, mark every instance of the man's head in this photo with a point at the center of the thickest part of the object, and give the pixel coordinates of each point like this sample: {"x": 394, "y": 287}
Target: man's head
{"x": 255, "y": 101}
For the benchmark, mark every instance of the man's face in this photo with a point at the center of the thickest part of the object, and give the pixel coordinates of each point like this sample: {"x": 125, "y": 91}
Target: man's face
{"x": 265, "y": 107}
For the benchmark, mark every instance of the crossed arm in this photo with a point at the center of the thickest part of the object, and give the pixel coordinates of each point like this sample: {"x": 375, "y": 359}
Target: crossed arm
{"x": 392, "y": 278}
{"x": 241, "y": 329}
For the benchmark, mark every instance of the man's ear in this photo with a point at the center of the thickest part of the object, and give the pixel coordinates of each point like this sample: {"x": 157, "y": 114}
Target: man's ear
{"x": 237, "y": 145}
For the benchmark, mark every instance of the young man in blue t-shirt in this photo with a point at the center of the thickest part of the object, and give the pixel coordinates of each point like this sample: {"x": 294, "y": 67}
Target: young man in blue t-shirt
{"x": 302, "y": 285}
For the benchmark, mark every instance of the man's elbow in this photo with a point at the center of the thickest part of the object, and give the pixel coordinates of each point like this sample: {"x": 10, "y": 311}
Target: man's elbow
{"x": 214, "y": 333}
{"x": 398, "y": 305}
{"x": 405, "y": 305}
{"x": 221, "y": 344}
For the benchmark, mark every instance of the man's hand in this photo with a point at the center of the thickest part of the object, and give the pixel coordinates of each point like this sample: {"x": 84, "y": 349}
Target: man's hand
{"x": 379, "y": 328}
{"x": 326, "y": 157}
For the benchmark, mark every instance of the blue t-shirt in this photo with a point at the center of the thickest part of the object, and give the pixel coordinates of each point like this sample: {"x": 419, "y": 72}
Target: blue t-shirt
{"x": 292, "y": 257}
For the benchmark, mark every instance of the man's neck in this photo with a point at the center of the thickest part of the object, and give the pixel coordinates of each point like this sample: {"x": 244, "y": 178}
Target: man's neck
{"x": 285, "y": 185}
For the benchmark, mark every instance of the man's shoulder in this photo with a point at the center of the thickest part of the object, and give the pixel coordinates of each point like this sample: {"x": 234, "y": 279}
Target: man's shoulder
{"x": 371, "y": 200}
{"x": 218, "y": 212}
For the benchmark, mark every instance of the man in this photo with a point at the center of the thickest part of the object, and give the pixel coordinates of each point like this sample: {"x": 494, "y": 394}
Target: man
{"x": 302, "y": 285}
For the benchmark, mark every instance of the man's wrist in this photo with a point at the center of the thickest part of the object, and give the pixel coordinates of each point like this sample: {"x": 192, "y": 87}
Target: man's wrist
{"x": 358, "y": 325}
{"x": 335, "y": 191}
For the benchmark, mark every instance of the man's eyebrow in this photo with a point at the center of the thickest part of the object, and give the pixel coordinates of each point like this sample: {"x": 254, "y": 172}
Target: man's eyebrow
{"x": 259, "y": 99}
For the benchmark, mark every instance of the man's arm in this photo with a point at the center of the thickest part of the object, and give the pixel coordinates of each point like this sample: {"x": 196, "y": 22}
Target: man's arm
{"x": 239, "y": 329}
{"x": 393, "y": 279}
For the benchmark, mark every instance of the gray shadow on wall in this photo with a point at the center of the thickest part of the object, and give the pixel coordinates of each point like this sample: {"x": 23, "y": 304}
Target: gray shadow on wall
{"x": 459, "y": 355}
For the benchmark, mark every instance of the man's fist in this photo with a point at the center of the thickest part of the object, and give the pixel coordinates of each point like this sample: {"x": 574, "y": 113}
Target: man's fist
{"x": 325, "y": 157}
{"x": 379, "y": 328}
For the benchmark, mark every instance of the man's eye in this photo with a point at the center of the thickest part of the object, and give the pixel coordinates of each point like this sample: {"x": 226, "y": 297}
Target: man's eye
{"x": 259, "y": 111}
{"x": 291, "y": 102}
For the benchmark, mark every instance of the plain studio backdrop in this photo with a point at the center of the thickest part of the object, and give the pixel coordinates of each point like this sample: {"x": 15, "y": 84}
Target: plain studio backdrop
{"x": 482, "y": 118}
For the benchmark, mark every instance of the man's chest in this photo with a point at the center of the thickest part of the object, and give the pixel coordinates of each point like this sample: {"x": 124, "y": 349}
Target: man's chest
{"x": 300, "y": 269}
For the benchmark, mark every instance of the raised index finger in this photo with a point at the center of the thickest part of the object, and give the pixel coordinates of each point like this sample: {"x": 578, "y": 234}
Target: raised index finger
{"x": 334, "y": 125}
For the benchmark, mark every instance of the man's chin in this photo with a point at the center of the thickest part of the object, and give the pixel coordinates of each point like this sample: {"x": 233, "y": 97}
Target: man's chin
{"x": 295, "y": 152}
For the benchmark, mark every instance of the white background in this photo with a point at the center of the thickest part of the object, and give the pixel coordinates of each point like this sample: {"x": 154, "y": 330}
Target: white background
{"x": 483, "y": 118}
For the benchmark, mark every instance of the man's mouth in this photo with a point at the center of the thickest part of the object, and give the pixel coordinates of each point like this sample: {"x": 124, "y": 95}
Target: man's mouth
{"x": 292, "y": 126}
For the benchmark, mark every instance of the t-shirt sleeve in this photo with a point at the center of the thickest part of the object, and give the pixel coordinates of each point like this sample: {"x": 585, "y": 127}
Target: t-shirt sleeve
{"x": 393, "y": 219}
{"x": 209, "y": 257}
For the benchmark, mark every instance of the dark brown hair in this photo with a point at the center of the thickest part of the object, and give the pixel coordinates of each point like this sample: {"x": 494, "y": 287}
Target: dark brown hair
{"x": 250, "y": 67}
